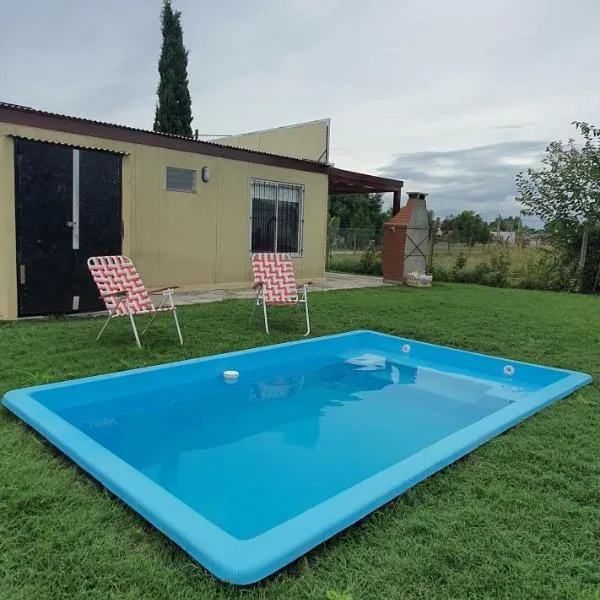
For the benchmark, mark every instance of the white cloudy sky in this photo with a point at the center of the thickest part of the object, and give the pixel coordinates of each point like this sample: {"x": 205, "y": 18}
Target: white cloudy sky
{"x": 454, "y": 97}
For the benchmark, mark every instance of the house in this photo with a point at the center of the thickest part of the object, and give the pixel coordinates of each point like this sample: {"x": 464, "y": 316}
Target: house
{"x": 507, "y": 238}
{"x": 188, "y": 212}
{"x": 534, "y": 240}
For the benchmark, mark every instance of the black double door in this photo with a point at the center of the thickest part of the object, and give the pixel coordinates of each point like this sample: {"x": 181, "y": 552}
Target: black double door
{"x": 68, "y": 208}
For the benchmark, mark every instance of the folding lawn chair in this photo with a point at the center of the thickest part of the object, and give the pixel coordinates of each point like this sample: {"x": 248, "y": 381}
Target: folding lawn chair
{"x": 123, "y": 293}
{"x": 275, "y": 285}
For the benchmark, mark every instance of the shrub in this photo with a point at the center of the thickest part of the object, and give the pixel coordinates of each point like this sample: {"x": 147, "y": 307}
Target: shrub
{"x": 441, "y": 273}
{"x": 495, "y": 272}
{"x": 550, "y": 271}
{"x": 498, "y": 270}
{"x": 461, "y": 262}
{"x": 370, "y": 260}
{"x": 367, "y": 263}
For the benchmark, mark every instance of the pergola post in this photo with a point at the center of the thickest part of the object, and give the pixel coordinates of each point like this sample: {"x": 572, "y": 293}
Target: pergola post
{"x": 396, "y": 203}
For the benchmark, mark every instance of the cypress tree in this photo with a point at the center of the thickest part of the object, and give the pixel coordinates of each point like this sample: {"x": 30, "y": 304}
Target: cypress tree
{"x": 174, "y": 106}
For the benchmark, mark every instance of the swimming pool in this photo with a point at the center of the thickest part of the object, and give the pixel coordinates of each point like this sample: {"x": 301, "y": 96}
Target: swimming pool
{"x": 247, "y": 476}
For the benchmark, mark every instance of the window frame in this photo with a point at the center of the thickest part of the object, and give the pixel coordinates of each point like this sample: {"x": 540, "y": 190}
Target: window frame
{"x": 300, "y": 187}
{"x": 181, "y": 190}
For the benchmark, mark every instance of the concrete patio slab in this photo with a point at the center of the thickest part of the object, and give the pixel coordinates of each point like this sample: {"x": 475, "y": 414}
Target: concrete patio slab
{"x": 334, "y": 281}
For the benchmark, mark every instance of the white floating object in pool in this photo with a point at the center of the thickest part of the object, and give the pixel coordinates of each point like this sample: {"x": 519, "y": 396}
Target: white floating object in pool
{"x": 406, "y": 348}
{"x": 368, "y": 362}
{"x": 509, "y": 370}
{"x": 231, "y": 376}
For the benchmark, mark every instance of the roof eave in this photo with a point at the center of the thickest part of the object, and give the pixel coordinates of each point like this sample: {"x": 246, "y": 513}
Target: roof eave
{"x": 29, "y": 117}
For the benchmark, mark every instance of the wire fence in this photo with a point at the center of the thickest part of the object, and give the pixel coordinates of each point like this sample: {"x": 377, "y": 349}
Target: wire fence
{"x": 447, "y": 255}
{"x": 347, "y": 249}
{"x": 354, "y": 240}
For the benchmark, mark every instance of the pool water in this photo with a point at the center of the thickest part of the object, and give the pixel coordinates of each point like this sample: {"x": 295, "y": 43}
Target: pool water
{"x": 248, "y": 475}
{"x": 297, "y": 429}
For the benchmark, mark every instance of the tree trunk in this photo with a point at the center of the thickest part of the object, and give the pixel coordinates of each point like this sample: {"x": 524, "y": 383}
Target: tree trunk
{"x": 596, "y": 279}
{"x": 583, "y": 254}
{"x": 431, "y": 248}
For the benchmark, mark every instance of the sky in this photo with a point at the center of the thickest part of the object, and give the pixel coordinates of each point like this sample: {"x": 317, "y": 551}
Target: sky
{"x": 453, "y": 97}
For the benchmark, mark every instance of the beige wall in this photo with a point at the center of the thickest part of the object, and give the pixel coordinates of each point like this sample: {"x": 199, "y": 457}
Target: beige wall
{"x": 8, "y": 260}
{"x": 196, "y": 241}
{"x": 305, "y": 140}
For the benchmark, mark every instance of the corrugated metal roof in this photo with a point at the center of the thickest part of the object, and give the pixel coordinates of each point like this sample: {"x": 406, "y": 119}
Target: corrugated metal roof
{"x": 212, "y": 148}
{"x": 78, "y": 146}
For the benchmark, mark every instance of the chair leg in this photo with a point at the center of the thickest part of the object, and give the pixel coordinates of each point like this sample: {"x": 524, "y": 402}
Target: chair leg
{"x": 307, "y": 317}
{"x": 266, "y": 319}
{"x": 177, "y": 326}
{"x": 149, "y": 323}
{"x": 135, "y": 332}
{"x": 253, "y": 310}
{"x": 104, "y": 326}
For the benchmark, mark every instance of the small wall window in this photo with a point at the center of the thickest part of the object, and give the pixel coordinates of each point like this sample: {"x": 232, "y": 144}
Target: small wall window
{"x": 276, "y": 217}
{"x": 180, "y": 180}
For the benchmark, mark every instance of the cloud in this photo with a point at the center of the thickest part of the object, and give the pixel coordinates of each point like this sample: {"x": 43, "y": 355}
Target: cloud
{"x": 515, "y": 126}
{"x": 396, "y": 78}
{"x": 479, "y": 179}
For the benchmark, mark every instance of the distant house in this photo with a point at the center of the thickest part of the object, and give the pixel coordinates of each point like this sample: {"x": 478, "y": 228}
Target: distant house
{"x": 535, "y": 240}
{"x": 507, "y": 238}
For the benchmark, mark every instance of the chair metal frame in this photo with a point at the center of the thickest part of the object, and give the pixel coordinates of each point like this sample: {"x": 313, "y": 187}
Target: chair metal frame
{"x": 124, "y": 294}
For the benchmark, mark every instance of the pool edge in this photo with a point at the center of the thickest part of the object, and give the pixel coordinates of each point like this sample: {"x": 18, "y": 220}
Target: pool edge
{"x": 238, "y": 563}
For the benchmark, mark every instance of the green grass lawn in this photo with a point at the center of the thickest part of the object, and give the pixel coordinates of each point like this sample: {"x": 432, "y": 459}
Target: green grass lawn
{"x": 518, "y": 518}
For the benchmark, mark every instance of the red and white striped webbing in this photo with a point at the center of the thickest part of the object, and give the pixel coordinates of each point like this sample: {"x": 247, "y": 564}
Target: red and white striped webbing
{"x": 276, "y": 274}
{"x": 117, "y": 275}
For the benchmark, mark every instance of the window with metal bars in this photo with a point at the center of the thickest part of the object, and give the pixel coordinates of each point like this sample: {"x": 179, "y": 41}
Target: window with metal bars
{"x": 276, "y": 219}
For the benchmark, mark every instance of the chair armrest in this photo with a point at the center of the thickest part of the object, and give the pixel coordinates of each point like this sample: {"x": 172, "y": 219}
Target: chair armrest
{"x": 162, "y": 289}
{"x": 117, "y": 295}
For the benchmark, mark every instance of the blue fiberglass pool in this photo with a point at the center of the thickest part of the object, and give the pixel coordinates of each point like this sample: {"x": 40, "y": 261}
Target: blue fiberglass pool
{"x": 247, "y": 476}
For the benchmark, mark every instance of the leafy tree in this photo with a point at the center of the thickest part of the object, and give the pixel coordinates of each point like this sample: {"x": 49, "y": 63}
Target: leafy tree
{"x": 357, "y": 211}
{"x": 446, "y": 227}
{"x": 174, "y": 106}
{"x": 333, "y": 228}
{"x": 433, "y": 223}
{"x": 565, "y": 192}
{"x": 447, "y": 224}
{"x": 469, "y": 228}
{"x": 506, "y": 224}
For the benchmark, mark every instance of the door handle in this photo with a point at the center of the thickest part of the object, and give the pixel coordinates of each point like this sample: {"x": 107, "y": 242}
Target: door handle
{"x": 70, "y": 224}
{"x": 22, "y": 274}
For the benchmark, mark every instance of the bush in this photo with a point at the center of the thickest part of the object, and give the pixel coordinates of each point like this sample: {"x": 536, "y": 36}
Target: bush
{"x": 460, "y": 263}
{"x": 497, "y": 274}
{"x": 369, "y": 262}
{"x": 369, "y": 259}
{"x": 441, "y": 273}
{"x": 550, "y": 271}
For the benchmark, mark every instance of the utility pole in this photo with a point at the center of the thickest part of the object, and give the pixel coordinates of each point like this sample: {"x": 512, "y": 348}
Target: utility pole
{"x": 498, "y": 219}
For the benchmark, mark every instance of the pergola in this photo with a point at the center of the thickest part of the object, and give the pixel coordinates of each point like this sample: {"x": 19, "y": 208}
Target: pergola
{"x": 351, "y": 182}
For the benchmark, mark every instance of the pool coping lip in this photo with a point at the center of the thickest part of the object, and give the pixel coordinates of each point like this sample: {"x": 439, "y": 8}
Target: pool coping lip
{"x": 198, "y": 359}
{"x": 248, "y": 561}
{"x": 254, "y": 349}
